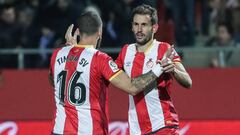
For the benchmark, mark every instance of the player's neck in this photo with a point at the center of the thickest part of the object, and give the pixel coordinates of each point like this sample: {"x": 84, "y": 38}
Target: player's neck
{"x": 145, "y": 47}
{"x": 88, "y": 40}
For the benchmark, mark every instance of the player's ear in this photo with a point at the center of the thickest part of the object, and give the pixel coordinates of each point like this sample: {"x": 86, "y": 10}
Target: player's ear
{"x": 99, "y": 34}
{"x": 132, "y": 27}
{"x": 155, "y": 28}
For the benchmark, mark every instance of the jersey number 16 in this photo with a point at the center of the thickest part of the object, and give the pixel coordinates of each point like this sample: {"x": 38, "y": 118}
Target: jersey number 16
{"x": 76, "y": 91}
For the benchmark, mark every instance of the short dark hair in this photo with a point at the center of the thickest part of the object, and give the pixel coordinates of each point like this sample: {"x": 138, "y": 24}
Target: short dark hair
{"x": 146, "y": 10}
{"x": 89, "y": 23}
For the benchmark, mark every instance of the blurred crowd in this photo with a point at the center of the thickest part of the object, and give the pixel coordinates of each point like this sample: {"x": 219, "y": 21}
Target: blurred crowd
{"x": 41, "y": 24}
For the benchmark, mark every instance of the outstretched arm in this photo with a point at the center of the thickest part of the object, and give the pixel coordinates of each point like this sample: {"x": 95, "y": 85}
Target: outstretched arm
{"x": 135, "y": 85}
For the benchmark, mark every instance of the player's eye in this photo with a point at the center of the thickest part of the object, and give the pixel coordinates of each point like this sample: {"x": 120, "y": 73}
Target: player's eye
{"x": 144, "y": 24}
{"x": 135, "y": 24}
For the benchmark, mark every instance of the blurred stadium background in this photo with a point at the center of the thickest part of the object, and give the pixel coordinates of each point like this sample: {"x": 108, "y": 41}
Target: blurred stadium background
{"x": 206, "y": 33}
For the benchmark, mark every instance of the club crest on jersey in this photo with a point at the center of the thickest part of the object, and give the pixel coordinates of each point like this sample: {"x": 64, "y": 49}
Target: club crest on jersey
{"x": 150, "y": 63}
{"x": 113, "y": 66}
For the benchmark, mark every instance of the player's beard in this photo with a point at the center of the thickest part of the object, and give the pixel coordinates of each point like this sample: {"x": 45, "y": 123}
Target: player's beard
{"x": 98, "y": 43}
{"x": 146, "y": 38}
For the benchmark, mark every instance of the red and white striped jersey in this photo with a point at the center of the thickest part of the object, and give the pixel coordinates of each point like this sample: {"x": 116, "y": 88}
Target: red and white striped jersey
{"x": 80, "y": 78}
{"x": 148, "y": 111}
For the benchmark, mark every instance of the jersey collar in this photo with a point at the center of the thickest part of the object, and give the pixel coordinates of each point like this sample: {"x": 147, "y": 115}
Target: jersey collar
{"x": 150, "y": 46}
{"x": 84, "y": 46}
{"x": 148, "y": 50}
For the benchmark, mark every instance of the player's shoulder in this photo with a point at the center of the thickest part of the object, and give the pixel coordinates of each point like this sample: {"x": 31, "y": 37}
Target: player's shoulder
{"x": 62, "y": 48}
{"x": 100, "y": 54}
{"x": 128, "y": 46}
{"x": 56, "y": 50}
{"x": 163, "y": 44}
{"x": 125, "y": 46}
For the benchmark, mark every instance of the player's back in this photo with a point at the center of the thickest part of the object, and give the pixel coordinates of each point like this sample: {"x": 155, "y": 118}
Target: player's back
{"x": 80, "y": 92}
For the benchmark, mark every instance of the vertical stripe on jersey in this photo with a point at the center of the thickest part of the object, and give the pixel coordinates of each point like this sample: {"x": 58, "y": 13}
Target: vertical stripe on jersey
{"x": 139, "y": 100}
{"x": 98, "y": 98}
{"x": 53, "y": 59}
{"x": 52, "y": 65}
{"x": 120, "y": 60}
{"x": 163, "y": 92}
{"x": 140, "y": 103}
{"x": 71, "y": 119}
{"x": 60, "y": 114}
{"x": 132, "y": 114}
{"x": 85, "y": 125}
{"x": 152, "y": 100}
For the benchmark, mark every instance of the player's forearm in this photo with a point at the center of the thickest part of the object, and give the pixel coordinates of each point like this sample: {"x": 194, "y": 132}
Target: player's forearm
{"x": 183, "y": 78}
{"x": 143, "y": 82}
{"x": 135, "y": 85}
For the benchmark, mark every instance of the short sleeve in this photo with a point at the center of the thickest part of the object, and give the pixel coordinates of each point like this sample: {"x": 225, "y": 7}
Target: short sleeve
{"x": 52, "y": 62}
{"x": 163, "y": 47}
{"x": 121, "y": 56}
{"x": 108, "y": 68}
{"x": 176, "y": 57}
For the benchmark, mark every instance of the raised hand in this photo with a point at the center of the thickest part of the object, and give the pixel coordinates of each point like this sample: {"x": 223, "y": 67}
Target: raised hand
{"x": 169, "y": 53}
{"x": 167, "y": 60}
{"x": 71, "y": 40}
